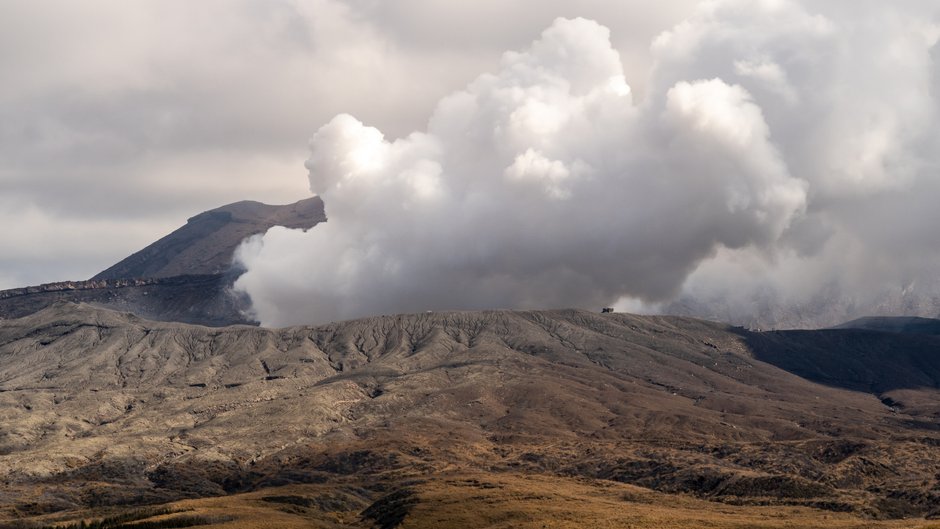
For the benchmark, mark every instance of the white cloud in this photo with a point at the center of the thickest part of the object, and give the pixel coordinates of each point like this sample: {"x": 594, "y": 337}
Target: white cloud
{"x": 147, "y": 112}
{"x": 550, "y": 187}
{"x": 848, "y": 92}
{"x": 798, "y": 137}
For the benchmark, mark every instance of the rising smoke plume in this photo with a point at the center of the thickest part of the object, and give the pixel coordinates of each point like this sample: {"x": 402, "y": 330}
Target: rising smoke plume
{"x": 776, "y": 143}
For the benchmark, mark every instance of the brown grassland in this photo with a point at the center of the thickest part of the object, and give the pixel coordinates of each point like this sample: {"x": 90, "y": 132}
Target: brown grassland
{"x": 462, "y": 500}
{"x": 491, "y": 419}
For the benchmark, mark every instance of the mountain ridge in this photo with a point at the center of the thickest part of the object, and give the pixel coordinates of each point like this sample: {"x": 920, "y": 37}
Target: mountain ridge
{"x": 206, "y": 244}
{"x": 185, "y": 276}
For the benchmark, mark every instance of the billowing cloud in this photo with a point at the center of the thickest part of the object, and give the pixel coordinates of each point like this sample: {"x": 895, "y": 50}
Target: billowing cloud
{"x": 543, "y": 184}
{"x": 119, "y": 120}
{"x": 772, "y": 161}
{"x": 781, "y": 168}
{"x": 849, "y": 92}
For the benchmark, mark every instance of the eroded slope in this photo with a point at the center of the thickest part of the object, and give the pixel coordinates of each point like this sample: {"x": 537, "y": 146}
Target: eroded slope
{"x": 106, "y": 408}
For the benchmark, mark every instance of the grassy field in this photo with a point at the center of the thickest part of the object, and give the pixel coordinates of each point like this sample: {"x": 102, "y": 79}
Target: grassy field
{"x": 479, "y": 500}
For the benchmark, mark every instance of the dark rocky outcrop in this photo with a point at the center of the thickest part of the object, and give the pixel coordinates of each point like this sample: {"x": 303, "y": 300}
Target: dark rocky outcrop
{"x": 197, "y": 299}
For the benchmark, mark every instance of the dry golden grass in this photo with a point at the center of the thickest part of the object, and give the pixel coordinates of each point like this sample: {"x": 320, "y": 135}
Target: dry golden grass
{"x": 502, "y": 501}
{"x": 506, "y": 501}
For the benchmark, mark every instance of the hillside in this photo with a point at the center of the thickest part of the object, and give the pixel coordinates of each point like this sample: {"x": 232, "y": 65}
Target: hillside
{"x": 186, "y": 276}
{"x": 202, "y": 300}
{"x": 105, "y": 408}
{"x": 206, "y": 243}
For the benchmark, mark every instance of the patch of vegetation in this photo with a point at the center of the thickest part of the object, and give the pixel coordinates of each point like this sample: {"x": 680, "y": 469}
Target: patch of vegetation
{"x": 390, "y": 511}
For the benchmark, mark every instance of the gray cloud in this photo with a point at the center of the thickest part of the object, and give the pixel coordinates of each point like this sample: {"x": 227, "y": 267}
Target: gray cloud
{"x": 849, "y": 92}
{"x": 780, "y": 168}
{"x": 540, "y": 185}
{"x": 118, "y": 120}
{"x": 775, "y": 161}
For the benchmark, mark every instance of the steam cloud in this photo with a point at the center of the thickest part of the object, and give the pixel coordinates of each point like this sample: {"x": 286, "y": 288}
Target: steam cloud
{"x": 773, "y": 153}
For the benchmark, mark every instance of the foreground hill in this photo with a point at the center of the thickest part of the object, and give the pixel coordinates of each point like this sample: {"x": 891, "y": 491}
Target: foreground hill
{"x": 392, "y": 414}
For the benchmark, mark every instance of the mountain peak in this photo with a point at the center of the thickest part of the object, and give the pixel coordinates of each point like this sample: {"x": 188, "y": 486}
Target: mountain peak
{"x": 206, "y": 244}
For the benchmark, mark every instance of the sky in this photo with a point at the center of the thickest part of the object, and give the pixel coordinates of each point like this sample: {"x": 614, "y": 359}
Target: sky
{"x": 722, "y": 158}
{"x": 120, "y": 120}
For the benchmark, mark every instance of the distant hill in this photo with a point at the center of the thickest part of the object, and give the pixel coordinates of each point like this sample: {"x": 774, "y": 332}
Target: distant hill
{"x": 829, "y": 307}
{"x": 206, "y": 244}
{"x": 864, "y": 360}
{"x": 186, "y": 276}
{"x": 900, "y": 324}
{"x": 197, "y": 299}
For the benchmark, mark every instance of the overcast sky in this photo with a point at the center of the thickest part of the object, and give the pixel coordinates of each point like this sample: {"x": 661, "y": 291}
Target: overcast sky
{"x": 523, "y": 154}
{"x": 119, "y": 120}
